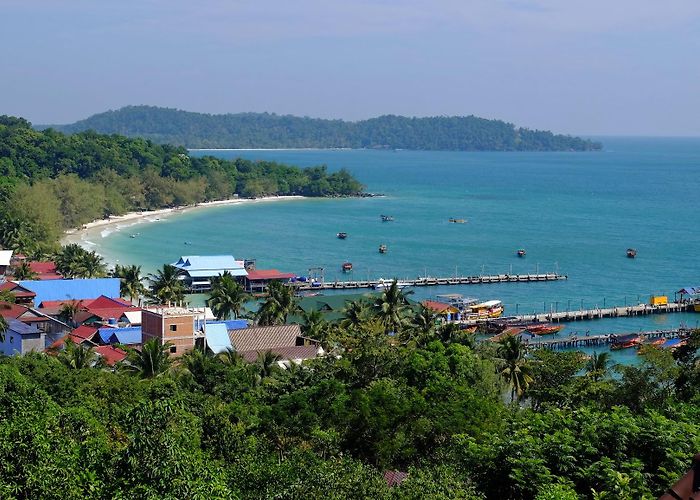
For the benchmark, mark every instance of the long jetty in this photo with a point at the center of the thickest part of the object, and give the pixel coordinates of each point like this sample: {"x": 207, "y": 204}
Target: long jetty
{"x": 608, "y": 312}
{"x": 602, "y": 339}
{"x": 430, "y": 281}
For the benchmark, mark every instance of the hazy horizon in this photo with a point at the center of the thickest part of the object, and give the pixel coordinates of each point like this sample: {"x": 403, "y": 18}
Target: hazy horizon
{"x": 580, "y": 68}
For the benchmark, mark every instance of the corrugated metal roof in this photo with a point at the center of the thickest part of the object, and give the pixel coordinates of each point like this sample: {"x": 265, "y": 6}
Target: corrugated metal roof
{"x": 294, "y": 353}
{"x": 134, "y": 317}
{"x": 264, "y": 337}
{"x": 189, "y": 262}
{"x": 77, "y": 289}
{"x": 5, "y": 257}
{"x": 20, "y": 328}
{"x": 208, "y": 273}
{"x": 217, "y": 338}
{"x": 128, "y": 335}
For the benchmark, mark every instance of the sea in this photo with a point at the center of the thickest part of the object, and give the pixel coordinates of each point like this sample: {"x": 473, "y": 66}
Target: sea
{"x": 575, "y": 213}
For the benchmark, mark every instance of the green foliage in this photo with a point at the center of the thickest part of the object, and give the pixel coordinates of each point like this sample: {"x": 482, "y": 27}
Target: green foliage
{"x": 227, "y": 297}
{"x": 264, "y": 130}
{"x": 50, "y": 182}
{"x": 165, "y": 286}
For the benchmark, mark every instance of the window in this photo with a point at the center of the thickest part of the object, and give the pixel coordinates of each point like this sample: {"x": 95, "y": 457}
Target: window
{"x": 173, "y": 328}
{"x": 173, "y": 349}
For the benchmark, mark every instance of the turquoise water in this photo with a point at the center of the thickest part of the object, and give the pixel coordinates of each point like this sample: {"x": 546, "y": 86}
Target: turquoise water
{"x": 573, "y": 212}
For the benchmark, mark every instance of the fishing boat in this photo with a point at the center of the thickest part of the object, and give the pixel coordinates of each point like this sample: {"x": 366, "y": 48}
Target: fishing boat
{"x": 673, "y": 344}
{"x": 631, "y": 253}
{"x": 347, "y": 266}
{"x": 485, "y": 310}
{"x": 544, "y": 328}
{"x": 387, "y": 218}
{"x": 625, "y": 341}
{"x": 383, "y": 284}
{"x": 655, "y": 342}
{"x": 521, "y": 252}
{"x": 382, "y": 248}
{"x": 458, "y": 221}
{"x": 342, "y": 236}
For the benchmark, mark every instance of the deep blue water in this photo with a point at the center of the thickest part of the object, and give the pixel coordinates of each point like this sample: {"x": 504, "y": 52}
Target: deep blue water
{"x": 573, "y": 212}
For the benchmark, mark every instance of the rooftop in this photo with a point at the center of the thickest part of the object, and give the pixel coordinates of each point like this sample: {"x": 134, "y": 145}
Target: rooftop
{"x": 268, "y": 274}
{"x": 264, "y": 337}
{"x": 76, "y": 289}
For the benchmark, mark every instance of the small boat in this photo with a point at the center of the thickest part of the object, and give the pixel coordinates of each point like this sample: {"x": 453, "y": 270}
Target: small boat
{"x": 347, "y": 266}
{"x": 382, "y": 248}
{"x": 656, "y": 342}
{"x": 383, "y": 284}
{"x": 387, "y": 218}
{"x": 521, "y": 252}
{"x": 133, "y": 236}
{"x": 631, "y": 253}
{"x": 626, "y": 341}
{"x": 342, "y": 236}
{"x": 458, "y": 221}
{"x": 544, "y": 329}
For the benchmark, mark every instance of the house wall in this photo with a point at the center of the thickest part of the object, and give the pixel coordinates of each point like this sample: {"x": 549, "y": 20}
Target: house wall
{"x": 33, "y": 342}
{"x": 178, "y": 330}
{"x": 151, "y": 325}
{"x": 21, "y": 344}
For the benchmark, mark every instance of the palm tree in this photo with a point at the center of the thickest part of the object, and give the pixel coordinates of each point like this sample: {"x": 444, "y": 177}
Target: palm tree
{"x": 90, "y": 265}
{"x": 598, "y": 366}
{"x": 279, "y": 304}
{"x": 166, "y": 286}
{"x": 315, "y": 324}
{"x": 392, "y": 308}
{"x": 231, "y": 357}
{"x": 3, "y": 328}
{"x": 69, "y": 310}
{"x": 68, "y": 260}
{"x": 131, "y": 284}
{"x": 77, "y": 356}
{"x": 153, "y": 360}
{"x": 227, "y": 297}
{"x": 23, "y": 272}
{"x": 356, "y": 313}
{"x": 422, "y": 324}
{"x": 267, "y": 364}
{"x": 514, "y": 368}
{"x": 7, "y": 296}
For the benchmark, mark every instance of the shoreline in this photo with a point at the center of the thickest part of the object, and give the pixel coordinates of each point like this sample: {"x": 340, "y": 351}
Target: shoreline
{"x": 95, "y": 229}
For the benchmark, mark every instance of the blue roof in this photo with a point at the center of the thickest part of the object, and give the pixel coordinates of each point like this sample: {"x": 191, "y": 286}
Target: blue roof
{"x": 231, "y": 324}
{"x": 76, "y": 289}
{"x": 207, "y": 262}
{"x": 128, "y": 335}
{"x": 20, "y": 328}
{"x": 217, "y": 338}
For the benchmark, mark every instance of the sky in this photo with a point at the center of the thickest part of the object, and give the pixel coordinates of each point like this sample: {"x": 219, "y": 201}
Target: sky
{"x": 593, "y": 67}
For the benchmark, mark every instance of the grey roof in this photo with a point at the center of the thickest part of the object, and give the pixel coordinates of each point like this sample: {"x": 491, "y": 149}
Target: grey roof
{"x": 264, "y": 337}
{"x": 217, "y": 337}
{"x": 20, "y": 328}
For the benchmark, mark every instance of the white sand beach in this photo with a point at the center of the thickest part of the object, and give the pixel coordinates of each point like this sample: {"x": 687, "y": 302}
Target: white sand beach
{"x": 86, "y": 235}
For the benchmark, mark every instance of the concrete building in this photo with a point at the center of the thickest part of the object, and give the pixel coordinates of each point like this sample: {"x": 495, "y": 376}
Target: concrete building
{"x": 176, "y": 325}
{"x": 21, "y": 338}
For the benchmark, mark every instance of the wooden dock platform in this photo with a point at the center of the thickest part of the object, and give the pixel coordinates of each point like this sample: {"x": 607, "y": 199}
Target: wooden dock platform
{"x": 430, "y": 281}
{"x": 608, "y": 312}
{"x": 601, "y": 339}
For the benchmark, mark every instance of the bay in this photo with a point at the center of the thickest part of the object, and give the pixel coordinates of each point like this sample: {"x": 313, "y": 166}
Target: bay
{"x": 575, "y": 213}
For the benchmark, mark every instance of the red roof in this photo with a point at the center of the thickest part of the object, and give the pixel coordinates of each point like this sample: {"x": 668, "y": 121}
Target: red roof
{"x": 107, "y": 313}
{"x": 84, "y": 332}
{"x": 17, "y": 311}
{"x": 104, "y": 302}
{"x": 111, "y": 355}
{"x": 45, "y": 270}
{"x": 268, "y": 274}
{"x": 75, "y": 338}
{"x": 17, "y": 290}
{"x": 438, "y": 307}
{"x": 57, "y": 304}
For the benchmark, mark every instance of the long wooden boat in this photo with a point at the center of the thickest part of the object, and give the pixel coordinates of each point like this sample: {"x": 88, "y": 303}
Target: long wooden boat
{"x": 544, "y": 329}
{"x": 626, "y": 342}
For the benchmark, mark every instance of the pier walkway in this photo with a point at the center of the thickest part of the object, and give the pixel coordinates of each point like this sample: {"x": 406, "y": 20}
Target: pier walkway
{"x": 602, "y": 339}
{"x": 429, "y": 281}
{"x": 608, "y": 312}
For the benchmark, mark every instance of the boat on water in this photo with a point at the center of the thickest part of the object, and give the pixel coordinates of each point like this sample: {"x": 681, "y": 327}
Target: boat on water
{"x": 382, "y": 249}
{"x": 383, "y": 284}
{"x": 521, "y": 252}
{"x": 655, "y": 342}
{"x": 631, "y": 253}
{"x": 458, "y": 221}
{"x": 341, "y": 236}
{"x": 485, "y": 310}
{"x": 347, "y": 266}
{"x": 625, "y": 341}
{"x": 544, "y": 328}
{"x": 696, "y": 308}
{"x": 673, "y": 344}
{"x": 387, "y": 218}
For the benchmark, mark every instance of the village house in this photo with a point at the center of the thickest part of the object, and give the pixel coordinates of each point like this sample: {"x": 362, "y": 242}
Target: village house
{"x": 21, "y": 338}
{"x": 198, "y": 271}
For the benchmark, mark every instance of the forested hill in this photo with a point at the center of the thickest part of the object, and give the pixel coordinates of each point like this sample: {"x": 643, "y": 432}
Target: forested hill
{"x": 264, "y": 130}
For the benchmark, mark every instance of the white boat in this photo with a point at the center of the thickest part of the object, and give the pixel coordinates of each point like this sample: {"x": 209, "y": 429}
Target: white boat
{"x": 383, "y": 284}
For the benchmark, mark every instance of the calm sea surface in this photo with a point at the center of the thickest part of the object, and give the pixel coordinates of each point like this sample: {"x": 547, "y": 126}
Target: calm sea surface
{"x": 575, "y": 213}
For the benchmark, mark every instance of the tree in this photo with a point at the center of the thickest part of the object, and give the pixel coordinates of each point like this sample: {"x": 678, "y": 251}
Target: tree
{"x": 90, "y": 265}
{"x": 77, "y": 356}
{"x": 598, "y": 366}
{"x": 226, "y": 297}
{"x": 23, "y": 272}
{"x": 279, "y": 304}
{"x": 355, "y": 313}
{"x": 166, "y": 286}
{"x": 392, "y": 308}
{"x": 130, "y": 284}
{"x": 69, "y": 310}
{"x": 315, "y": 324}
{"x": 3, "y": 328}
{"x": 423, "y": 324}
{"x": 267, "y": 364}
{"x": 514, "y": 368}
{"x": 153, "y": 360}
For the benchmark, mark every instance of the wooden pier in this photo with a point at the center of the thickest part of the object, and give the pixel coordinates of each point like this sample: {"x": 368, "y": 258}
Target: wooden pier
{"x": 430, "y": 281}
{"x": 608, "y": 312}
{"x": 601, "y": 339}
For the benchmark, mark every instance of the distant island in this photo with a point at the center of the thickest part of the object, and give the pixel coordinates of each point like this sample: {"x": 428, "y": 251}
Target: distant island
{"x": 265, "y": 130}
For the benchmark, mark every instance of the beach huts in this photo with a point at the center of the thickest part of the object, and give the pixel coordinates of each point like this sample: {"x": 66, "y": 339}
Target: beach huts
{"x": 198, "y": 271}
